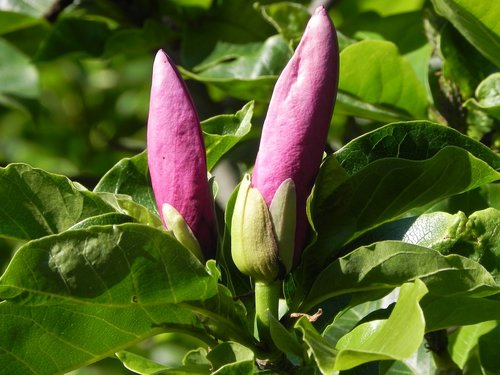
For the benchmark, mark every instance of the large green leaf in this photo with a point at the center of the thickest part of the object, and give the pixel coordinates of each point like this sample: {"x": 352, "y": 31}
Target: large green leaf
{"x": 443, "y": 312}
{"x": 89, "y": 293}
{"x": 414, "y": 140}
{"x": 388, "y": 264}
{"x": 477, "y": 21}
{"x": 374, "y": 72}
{"x": 36, "y": 203}
{"x": 383, "y": 339}
{"x": 289, "y": 19}
{"x": 246, "y": 71}
{"x": 386, "y": 189}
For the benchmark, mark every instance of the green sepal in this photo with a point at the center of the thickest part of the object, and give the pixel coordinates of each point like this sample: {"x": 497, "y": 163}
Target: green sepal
{"x": 283, "y": 210}
{"x": 253, "y": 246}
{"x": 180, "y": 230}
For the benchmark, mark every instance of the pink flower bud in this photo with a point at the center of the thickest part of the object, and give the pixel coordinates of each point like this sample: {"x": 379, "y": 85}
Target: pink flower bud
{"x": 176, "y": 153}
{"x": 296, "y": 126}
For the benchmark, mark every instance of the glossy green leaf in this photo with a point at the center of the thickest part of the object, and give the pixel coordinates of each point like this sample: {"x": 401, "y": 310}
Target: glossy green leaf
{"x": 462, "y": 64}
{"x": 375, "y": 72}
{"x": 89, "y": 293}
{"x": 414, "y": 140}
{"x": 488, "y": 353}
{"x": 37, "y": 203}
{"x": 141, "y": 365}
{"x": 223, "y": 132}
{"x": 130, "y": 176}
{"x": 475, "y": 237}
{"x": 478, "y": 23}
{"x": 488, "y": 96}
{"x": 288, "y": 18}
{"x": 466, "y": 339}
{"x": 104, "y": 219}
{"x": 386, "y": 189}
{"x": 245, "y": 72}
{"x": 138, "y": 364}
{"x": 383, "y": 339}
{"x": 420, "y": 362}
{"x": 18, "y": 75}
{"x": 323, "y": 352}
{"x": 444, "y": 312}
{"x": 283, "y": 339}
{"x": 385, "y": 265}
{"x": 231, "y": 358}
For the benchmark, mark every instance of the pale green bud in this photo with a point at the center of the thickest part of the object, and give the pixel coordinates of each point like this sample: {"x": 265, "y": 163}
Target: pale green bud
{"x": 283, "y": 209}
{"x": 262, "y": 238}
{"x": 178, "y": 227}
{"x": 253, "y": 246}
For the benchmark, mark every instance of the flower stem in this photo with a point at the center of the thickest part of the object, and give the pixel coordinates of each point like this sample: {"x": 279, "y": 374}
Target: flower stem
{"x": 266, "y": 302}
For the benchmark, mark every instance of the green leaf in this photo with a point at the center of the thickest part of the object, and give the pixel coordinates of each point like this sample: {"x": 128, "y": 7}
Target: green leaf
{"x": 104, "y": 219}
{"x": 466, "y": 339}
{"x": 462, "y": 64}
{"x": 382, "y": 339}
{"x": 487, "y": 96}
{"x": 18, "y": 76}
{"x": 419, "y": 363}
{"x": 74, "y": 35}
{"x": 246, "y": 72}
{"x": 386, "y": 189}
{"x": 488, "y": 352}
{"x": 444, "y": 312}
{"x": 477, "y": 22}
{"x": 283, "y": 339}
{"x": 231, "y": 358}
{"x": 475, "y": 237}
{"x": 138, "y": 364}
{"x": 374, "y": 72}
{"x": 223, "y": 132}
{"x": 388, "y": 264}
{"x": 414, "y": 140}
{"x": 12, "y": 21}
{"x": 130, "y": 176}
{"x": 289, "y": 19}
{"x": 92, "y": 292}
{"x": 142, "y": 365}
{"x": 37, "y": 203}
{"x": 323, "y": 352}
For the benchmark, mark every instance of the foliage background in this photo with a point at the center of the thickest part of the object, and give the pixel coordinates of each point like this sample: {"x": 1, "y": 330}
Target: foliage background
{"x": 75, "y": 78}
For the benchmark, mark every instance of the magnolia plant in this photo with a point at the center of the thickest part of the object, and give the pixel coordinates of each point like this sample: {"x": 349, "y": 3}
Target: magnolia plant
{"x": 319, "y": 262}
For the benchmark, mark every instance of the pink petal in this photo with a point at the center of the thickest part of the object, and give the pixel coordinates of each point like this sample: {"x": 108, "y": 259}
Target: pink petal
{"x": 298, "y": 118}
{"x": 176, "y": 153}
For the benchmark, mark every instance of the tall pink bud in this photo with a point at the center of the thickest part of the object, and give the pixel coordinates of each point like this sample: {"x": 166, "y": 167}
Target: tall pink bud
{"x": 176, "y": 154}
{"x": 296, "y": 126}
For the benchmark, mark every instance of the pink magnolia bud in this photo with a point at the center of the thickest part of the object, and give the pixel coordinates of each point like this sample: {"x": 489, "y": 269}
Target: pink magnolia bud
{"x": 296, "y": 126}
{"x": 176, "y": 154}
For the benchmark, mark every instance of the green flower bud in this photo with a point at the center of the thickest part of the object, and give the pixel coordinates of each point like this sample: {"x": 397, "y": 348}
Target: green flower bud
{"x": 262, "y": 238}
{"x": 283, "y": 209}
{"x": 180, "y": 230}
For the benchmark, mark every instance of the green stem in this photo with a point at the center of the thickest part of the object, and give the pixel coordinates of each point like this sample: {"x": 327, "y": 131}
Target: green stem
{"x": 266, "y": 302}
